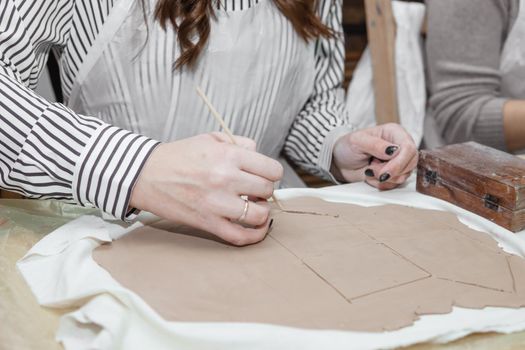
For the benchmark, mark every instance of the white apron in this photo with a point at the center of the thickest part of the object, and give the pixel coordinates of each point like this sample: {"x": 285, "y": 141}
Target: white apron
{"x": 512, "y": 72}
{"x": 257, "y": 85}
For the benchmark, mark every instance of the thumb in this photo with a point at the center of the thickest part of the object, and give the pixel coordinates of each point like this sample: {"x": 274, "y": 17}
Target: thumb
{"x": 374, "y": 145}
{"x": 241, "y": 141}
{"x": 246, "y": 143}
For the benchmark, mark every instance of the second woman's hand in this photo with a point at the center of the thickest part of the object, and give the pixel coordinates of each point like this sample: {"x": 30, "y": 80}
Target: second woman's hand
{"x": 199, "y": 182}
{"x": 383, "y": 156}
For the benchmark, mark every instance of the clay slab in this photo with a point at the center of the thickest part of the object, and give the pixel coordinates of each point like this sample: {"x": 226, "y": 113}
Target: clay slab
{"x": 357, "y": 268}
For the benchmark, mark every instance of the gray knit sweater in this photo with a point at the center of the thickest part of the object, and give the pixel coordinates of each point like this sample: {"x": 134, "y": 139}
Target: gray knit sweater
{"x": 464, "y": 42}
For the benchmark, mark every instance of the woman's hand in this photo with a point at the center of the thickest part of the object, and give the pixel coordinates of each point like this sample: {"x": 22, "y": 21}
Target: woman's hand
{"x": 198, "y": 182}
{"x": 384, "y": 156}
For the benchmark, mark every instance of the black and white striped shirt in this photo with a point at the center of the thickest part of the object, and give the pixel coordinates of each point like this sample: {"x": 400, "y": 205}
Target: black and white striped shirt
{"x": 49, "y": 151}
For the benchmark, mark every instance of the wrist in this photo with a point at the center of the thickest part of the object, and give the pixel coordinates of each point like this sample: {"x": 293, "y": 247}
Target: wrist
{"x": 328, "y": 154}
{"x": 140, "y": 188}
{"x": 108, "y": 169}
{"x": 334, "y": 168}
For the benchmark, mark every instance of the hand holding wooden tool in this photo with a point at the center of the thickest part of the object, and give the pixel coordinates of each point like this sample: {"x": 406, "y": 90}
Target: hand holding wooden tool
{"x": 228, "y": 132}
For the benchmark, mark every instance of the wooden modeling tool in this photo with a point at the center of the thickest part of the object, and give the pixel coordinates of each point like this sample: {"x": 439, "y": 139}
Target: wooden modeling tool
{"x": 227, "y": 130}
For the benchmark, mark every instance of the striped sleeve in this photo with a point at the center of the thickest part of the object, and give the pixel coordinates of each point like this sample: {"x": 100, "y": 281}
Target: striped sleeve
{"x": 323, "y": 119}
{"x": 47, "y": 150}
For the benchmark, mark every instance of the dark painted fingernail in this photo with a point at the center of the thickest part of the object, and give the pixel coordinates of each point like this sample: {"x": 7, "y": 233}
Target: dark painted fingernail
{"x": 370, "y": 160}
{"x": 271, "y": 223}
{"x": 384, "y": 177}
{"x": 391, "y": 150}
{"x": 369, "y": 172}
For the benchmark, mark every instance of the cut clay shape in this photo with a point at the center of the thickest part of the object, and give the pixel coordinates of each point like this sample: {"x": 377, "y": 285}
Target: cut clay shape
{"x": 364, "y": 269}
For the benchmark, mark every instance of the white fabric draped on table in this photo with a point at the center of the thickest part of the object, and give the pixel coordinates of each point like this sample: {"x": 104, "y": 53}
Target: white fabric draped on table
{"x": 62, "y": 273}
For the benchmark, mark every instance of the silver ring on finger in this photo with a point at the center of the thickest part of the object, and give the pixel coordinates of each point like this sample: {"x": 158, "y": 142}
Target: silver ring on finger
{"x": 245, "y": 211}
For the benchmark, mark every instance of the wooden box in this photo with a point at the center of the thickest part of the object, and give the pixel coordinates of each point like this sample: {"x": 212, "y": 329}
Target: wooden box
{"x": 478, "y": 178}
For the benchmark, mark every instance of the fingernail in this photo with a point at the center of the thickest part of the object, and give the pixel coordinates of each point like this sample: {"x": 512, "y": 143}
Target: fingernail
{"x": 271, "y": 223}
{"x": 384, "y": 177}
{"x": 391, "y": 150}
{"x": 369, "y": 172}
{"x": 370, "y": 160}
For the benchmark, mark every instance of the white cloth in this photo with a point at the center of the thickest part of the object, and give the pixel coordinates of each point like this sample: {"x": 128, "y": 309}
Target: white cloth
{"x": 410, "y": 75}
{"x": 60, "y": 271}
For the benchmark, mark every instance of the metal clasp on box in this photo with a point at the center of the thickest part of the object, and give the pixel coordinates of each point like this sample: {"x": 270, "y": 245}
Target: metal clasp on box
{"x": 491, "y": 202}
{"x": 431, "y": 177}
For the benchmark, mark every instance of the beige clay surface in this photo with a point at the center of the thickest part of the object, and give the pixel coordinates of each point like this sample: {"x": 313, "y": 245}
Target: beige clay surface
{"x": 366, "y": 269}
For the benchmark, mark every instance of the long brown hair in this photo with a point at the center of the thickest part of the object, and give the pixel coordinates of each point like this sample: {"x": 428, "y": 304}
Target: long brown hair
{"x": 191, "y": 18}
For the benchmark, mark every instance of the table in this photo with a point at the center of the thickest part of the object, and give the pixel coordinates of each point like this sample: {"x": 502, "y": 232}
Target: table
{"x": 26, "y": 325}
{"x": 23, "y": 323}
